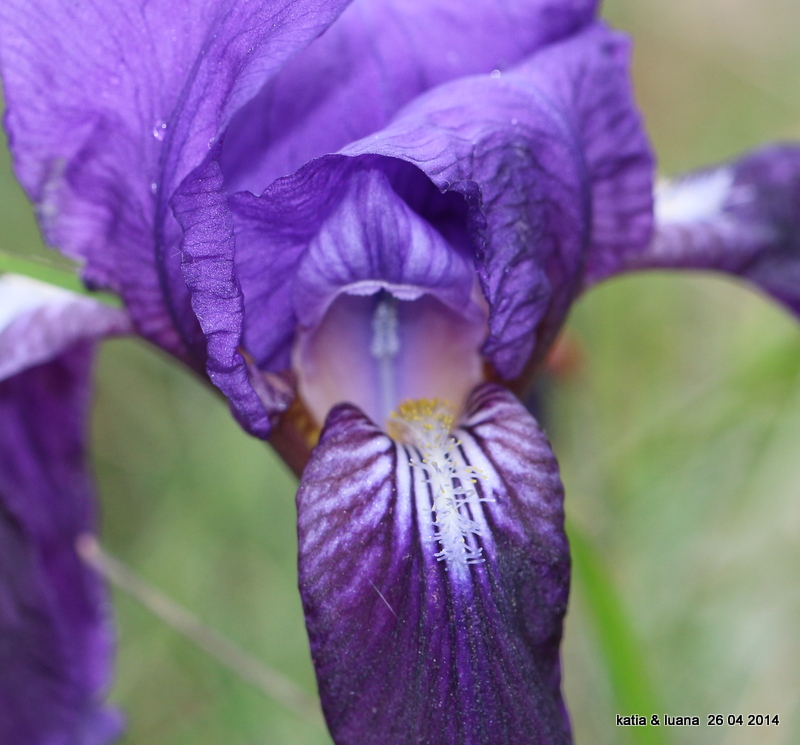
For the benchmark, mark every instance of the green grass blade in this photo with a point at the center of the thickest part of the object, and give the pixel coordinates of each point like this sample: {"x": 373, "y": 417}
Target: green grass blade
{"x": 618, "y": 643}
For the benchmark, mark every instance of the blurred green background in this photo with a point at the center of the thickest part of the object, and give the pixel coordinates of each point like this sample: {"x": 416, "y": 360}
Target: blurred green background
{"x": 678, "y": 437}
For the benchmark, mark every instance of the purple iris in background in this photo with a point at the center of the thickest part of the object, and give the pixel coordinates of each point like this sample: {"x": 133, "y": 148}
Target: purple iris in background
{"x": 365, "y": 222}
{"x": 56, "y": 641}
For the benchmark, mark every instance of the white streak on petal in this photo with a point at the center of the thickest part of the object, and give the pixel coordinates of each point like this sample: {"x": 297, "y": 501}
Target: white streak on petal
{"x": 21, "y": 295}
{"x": 701, "y": 197}
{"x": 38, "y": 322}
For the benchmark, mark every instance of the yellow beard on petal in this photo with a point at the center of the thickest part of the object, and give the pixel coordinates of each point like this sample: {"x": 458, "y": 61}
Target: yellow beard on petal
{"x": 425, "y": 425}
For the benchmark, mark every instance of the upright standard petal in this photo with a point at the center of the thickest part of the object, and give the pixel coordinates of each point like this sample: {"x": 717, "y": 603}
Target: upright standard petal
{"x": 435, "y": 583}
{"x": 530, "y": 173}
{"x": 741, "y": 218}
{"x": 109, "y": 108}
{"x": 55, "y": 636}
{"x": 377, "y": 57}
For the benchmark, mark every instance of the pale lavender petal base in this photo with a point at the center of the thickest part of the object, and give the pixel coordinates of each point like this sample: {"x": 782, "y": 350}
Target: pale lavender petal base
{"x": 405, "y": 651}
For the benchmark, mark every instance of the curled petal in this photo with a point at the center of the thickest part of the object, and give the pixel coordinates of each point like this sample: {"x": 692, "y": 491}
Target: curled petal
{"x": 341, "y": 221}
{"x": 110, "y": 108}
{"x": 741, "y": 218}
{"x": 385, "y": 307}
{"x": 201, "y": 207}
{"x": 410, "y": 648}
{"x": 342, "y": 224}
{"x": 55, "y": 637}
{"x": 373, "y": 240}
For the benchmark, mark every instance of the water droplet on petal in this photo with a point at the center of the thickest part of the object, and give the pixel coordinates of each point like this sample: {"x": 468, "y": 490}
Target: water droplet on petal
{"x": 153, "y": 187}
{"x": 495, "y": 74}
{"x": 160, "y": 130}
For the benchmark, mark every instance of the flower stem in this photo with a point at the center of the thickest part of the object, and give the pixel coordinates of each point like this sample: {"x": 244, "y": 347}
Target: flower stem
{"x": 270, "y": 682}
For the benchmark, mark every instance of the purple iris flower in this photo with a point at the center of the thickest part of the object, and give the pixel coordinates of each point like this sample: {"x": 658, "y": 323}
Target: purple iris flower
{"x": 366, "y": 222}
{"x": 55, "y": 636}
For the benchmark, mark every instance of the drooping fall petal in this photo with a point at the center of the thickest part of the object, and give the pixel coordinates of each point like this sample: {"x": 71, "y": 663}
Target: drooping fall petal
{"x": 414, "y": 638}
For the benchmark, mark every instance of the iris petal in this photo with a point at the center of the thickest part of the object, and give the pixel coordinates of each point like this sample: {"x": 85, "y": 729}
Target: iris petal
{"x": 385, "y": 307}
{"x": 55, "y": 638}
{"x": 539, "y": 169}
{"x": 553, "y": 161}
{"x": 740, "y": 218}
{"x": 544, "y": 171}
{"x": 405, "y": 649}
{"x": 208, "y": 245}
{"x": 110, "y": 108}
{"x": 39, "y": 322}
{"x": 372, "y": 241}
{"x": 377, "y": 57}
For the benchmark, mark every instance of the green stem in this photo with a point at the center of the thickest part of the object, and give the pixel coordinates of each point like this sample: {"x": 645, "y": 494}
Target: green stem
{"x": 618, "y": 643}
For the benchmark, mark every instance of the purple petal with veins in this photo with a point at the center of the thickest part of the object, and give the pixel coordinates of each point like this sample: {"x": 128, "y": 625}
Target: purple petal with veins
{"x": 109, "y": 109}
{"x": 375, "y": 59}
{"x": 528, "y": 177}
{"x": 387, "y": 309}
{"x": 553, "y": 162}
{"x": 434, "y": 572}
{"x": 740, "y": 218}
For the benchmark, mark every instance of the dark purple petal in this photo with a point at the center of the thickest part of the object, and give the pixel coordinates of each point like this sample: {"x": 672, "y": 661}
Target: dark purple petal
{"x": 408, "y": 648}
{"x": 109, "y": 108}
{"x": 374, "y": 60}
{"x": 741, "y": 218}
{"x": 56, "y": 642}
